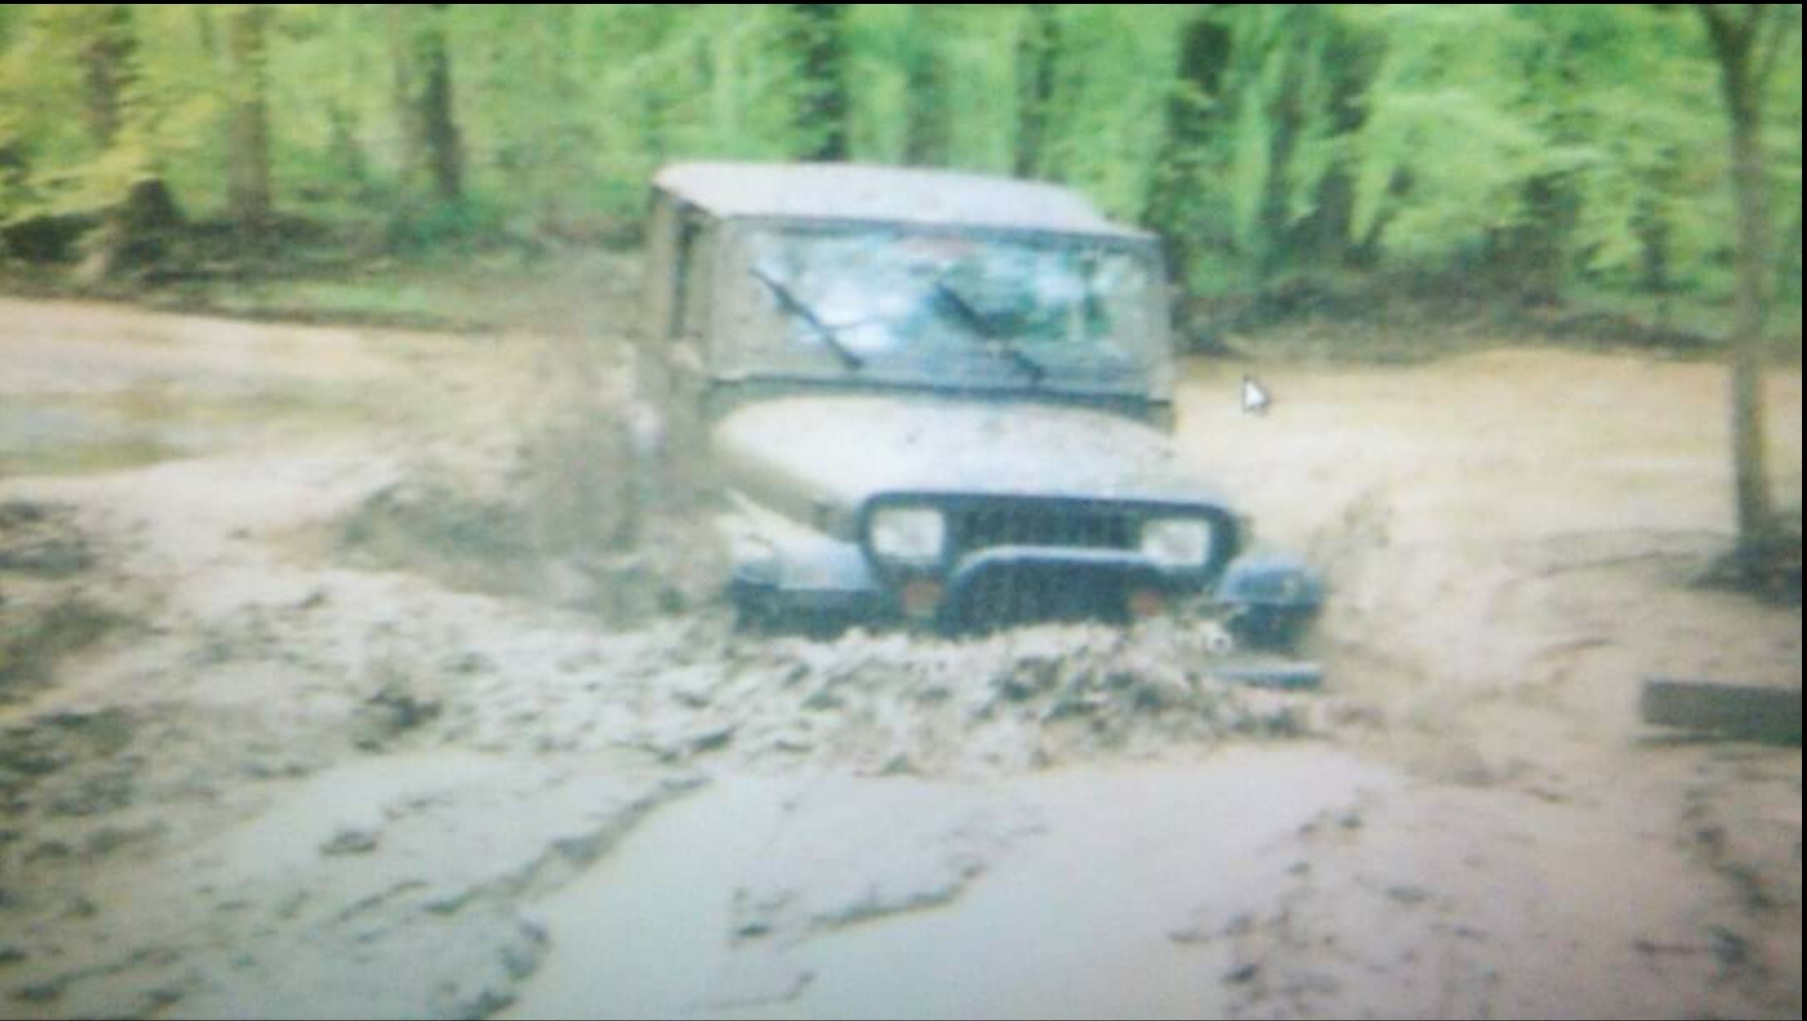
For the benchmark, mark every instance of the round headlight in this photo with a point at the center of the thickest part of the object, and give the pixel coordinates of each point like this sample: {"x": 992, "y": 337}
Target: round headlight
{"x": 911, "y": 535}
{"x": 1177, "y": 542}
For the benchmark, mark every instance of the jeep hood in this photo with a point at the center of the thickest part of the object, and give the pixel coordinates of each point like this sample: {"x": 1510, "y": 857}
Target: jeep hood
{"x": 807, "y": 456}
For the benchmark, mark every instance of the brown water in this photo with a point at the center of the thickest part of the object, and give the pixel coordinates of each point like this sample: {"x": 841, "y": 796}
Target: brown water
{"x": 1085, "y": 877}
{"x": 223, "y": 807}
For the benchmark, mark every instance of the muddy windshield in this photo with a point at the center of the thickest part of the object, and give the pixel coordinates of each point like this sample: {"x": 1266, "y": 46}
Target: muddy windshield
{"x": 896, "y": 305}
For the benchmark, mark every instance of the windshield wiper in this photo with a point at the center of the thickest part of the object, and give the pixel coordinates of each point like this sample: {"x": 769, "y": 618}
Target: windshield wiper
{"x": 788, "y": 300}
{"x": 988, "y": 331}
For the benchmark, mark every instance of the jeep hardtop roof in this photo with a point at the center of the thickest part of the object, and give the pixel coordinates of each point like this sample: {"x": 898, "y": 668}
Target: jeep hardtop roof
{"x": 847, "y": 192}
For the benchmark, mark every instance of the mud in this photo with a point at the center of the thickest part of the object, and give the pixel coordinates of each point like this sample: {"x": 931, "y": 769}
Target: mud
{"x": 46, "y": 616}
{"x": 389, "y": 706}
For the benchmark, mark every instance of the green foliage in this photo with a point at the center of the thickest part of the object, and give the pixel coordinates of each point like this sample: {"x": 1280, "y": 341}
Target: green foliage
{"x": 1423, "y": 135}
{"x": 165, "y": 98}
{"x": 1453, "y": 135}
{"x": 437, "y": 228}
{"x": 1108, "y": 125}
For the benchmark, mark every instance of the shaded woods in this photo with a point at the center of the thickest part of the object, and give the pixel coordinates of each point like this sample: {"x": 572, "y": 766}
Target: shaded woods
{"x": 1556, "y": 147}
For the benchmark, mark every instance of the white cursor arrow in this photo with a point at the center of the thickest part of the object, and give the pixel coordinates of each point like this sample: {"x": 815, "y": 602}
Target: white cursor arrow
{"x": 1255, "y": 398}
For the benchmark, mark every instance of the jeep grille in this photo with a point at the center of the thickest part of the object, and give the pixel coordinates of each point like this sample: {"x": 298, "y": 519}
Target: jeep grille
{"x": 1031, "y": 523}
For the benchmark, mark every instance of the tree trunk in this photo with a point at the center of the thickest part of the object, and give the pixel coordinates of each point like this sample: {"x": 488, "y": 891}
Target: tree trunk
{"x": 927, "y": 141}
{"x": 207, "y": 27}
{"x": 654, "y": 98}
{"x": 139, "y": 213}
{"x": 1350, "y": 64}
{"x": 725, "y": 90}
{"x": 1285, "y": 124}
{"x": 1756, "y": 509}
{"x": 248, "y": 142}
{"x": 345, "y": 127}
{"x": 823, "y": 106}
{"x": 107, "y": 68}
{"x": 342, "y": 143}
{"x": 444, "y": 148}
{"x": 402, "y": 88}
{"x": 1789, "y": 272}
{"x": 432, "y": 151}
{"x": 1037, "y": 54}
{"x": 1735, "y": 42}
{"x": 1193, "y": 115}
{"x": 1655, "y": 242}
{"x": 1533, "y": 256}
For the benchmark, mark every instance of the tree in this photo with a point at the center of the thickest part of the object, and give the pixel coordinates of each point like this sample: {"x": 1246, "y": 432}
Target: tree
{"x": 1038, "y": 50}
{"x": 1347, "y": 63}
{"x": 432, "y": 149}
{"x": 1554, "y": 143}
{"x": 248, "y": 145}
{"x": 124, "y": 183}
{"x": 927, "y": 111}
{"x": 1748, "y": 41}
{"x": 822, "y": 109}
{"x": 1788, "y": 270}
{"x": 444, "y": 148}
{"x": 1195, "y": 112}
{"x": 344, "y": 145}
{"x": 107, "y": 67}
{"x": 1285, "y": 115}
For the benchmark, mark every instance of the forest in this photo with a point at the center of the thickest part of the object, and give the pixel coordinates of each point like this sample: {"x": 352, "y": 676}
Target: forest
{"x": 1546, "y": 150}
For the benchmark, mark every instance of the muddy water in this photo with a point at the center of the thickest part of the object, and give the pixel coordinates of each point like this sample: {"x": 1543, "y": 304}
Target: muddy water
{"x": 1510, "y": 537}
{"x": 1507, "y": 523}
{"x": 1055, "y": 895}
{"x": 92, "y": 389}
{"x": 647, "y": 934}
{"x": 1493, "y": 448}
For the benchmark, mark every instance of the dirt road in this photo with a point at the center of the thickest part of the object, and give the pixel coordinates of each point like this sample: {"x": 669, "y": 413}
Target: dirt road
{"x": 311, "y": 706}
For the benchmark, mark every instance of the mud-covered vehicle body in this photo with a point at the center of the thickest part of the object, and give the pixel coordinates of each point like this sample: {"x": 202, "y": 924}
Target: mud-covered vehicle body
{"x": 942, "y": 399}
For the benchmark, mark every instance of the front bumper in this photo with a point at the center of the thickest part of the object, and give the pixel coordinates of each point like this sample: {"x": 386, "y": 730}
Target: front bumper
{"x": 1013, "y": 585}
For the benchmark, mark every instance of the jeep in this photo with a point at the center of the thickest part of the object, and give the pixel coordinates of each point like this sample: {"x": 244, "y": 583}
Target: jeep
{"x": 941, "y": 400}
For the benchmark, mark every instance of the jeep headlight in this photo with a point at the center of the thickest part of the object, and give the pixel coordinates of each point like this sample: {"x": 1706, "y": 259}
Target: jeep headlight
{"x": 909, "y": 535}
{"x": 1178, "y": 542}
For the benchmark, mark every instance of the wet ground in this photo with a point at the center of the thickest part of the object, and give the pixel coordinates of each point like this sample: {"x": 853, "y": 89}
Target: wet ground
{"x": 316, "y": 701}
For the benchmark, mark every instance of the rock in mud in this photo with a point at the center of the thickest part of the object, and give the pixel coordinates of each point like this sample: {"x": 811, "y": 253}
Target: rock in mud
{"x": 35, "y": 640}
{"x": 396, "y": 709}
{"x": 349, "y": 842}
{"x": 1242, "y": 974}
{"x": 42, "y": 541}
{"x": 68, "y": 765}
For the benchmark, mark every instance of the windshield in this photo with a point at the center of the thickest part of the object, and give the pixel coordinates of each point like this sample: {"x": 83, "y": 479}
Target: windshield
{"x": 891, "y": 304}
